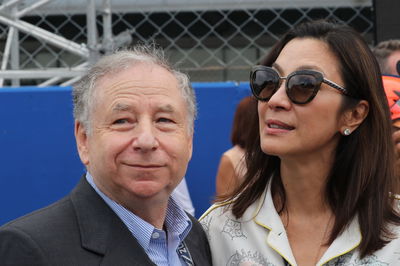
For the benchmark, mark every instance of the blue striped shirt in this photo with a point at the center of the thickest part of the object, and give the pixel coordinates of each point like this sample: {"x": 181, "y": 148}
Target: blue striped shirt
{"x": 159, "y": 246}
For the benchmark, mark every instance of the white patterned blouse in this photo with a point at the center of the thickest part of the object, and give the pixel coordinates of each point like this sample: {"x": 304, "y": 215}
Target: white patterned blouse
{"x": 259, "y": 238}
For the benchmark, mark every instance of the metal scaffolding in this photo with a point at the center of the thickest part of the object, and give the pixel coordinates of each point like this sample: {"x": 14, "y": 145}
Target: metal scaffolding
{"x": 52, "y": 42}
{"x": 10, "y": 15}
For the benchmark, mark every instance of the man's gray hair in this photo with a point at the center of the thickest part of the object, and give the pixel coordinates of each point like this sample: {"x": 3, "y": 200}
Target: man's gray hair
{"x": 383, "y": 50}
{"x": 84, "y": 90}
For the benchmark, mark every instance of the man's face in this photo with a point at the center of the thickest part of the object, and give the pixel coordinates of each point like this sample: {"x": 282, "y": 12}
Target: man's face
{"x": 392, "y": 63}
{"x": 140, "y": 142}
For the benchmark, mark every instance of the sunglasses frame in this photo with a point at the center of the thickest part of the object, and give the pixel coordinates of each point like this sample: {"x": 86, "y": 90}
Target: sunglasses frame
{"x": 316, "y": 74}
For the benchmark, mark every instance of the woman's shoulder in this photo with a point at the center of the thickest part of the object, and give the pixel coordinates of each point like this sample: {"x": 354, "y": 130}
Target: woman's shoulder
{"x": 235, "y": 153}
{"x": 396, "y": 201}
{"x": 214, "y": 217}
{"x": 395, "y": 196}
{"x": 217, "y": 210}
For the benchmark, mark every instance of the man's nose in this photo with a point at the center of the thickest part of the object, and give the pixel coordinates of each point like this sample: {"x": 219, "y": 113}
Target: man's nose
{"x": 145, "y": 137}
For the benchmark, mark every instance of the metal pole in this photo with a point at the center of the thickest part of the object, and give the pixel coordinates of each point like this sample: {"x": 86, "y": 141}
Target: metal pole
{"x": 91, "y": 31}
{"x": 42, "y": 74}
{"x": 107, "y": 26}
{"x": 9, "y": 4}
{"x": 7, "y": 50}
{"x": 54, "y": 80}
{"x": 15, "y": 51}
{"x": 70, "y": 81}
{"x": 32, "y": 7}
{"x": 49, "y": 37}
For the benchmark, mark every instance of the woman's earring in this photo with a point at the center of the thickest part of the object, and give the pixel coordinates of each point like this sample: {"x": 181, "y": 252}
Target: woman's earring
{"x": 346, "y": 132}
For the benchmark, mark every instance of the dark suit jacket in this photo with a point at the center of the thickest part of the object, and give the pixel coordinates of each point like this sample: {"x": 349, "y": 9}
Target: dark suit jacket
{"x": 81, "y": 230}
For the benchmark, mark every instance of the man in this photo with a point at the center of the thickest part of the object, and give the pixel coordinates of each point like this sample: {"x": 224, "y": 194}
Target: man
{"x": 133, "y": 127}
{"x": 388, "y": 55}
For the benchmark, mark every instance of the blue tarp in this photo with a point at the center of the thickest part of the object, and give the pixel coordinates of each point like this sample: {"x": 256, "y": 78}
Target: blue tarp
{"x": 38, "y": 157}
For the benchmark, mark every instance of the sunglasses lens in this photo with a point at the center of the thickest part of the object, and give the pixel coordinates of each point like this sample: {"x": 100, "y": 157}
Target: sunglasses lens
{"x": 302, "y": 87}
{"x": 264, "y": 83}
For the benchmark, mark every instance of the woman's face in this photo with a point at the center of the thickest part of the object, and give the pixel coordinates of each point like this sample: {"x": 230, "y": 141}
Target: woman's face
{"x": 290, "y": 130}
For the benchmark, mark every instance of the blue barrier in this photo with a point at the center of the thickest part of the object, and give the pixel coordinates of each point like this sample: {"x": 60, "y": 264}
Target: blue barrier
{"x": 39, "y": 161}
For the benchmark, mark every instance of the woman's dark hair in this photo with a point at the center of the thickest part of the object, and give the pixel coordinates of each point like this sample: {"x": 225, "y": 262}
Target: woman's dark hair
{"x": 362, "y": 175}
{"x": 245, "y": 111}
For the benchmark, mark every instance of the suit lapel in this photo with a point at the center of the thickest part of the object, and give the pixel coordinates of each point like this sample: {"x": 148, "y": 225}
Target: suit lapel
{"x": 196, "y": 242}
{"x": 125, "y": 250}
{"x": 102, "y": 231}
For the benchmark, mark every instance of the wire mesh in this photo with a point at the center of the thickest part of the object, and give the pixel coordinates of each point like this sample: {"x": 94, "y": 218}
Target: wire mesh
{"x": 211, "y": 44}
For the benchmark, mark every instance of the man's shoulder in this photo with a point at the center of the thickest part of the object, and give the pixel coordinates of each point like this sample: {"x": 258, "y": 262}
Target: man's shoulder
{"x": 56, "y": 221}
{"x": 44, "y": 219}
{"x": 196, "y": 227}
{"x": 36, "y": 238}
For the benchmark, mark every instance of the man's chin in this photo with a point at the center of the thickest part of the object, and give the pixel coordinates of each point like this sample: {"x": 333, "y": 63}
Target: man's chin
{"x": 146, "y": 191}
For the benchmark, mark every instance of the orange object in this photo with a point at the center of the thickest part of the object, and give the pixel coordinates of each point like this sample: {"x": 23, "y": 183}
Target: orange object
{"x": 391, "y": 85}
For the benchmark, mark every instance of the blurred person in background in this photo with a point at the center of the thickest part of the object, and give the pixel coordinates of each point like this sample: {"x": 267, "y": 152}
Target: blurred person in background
{"x": 182, "y": 196}
{"x": 388, "y": 55}
{"x": 232, "y": 166}
{"x": 134, "y": 117}
{"x": 392, "y": 90}
{"x": 320, "y": 168}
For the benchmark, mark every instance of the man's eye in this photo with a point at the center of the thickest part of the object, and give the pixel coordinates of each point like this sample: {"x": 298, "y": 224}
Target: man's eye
{"x": 120, "y": 121}
{"x": 164, "y": 120}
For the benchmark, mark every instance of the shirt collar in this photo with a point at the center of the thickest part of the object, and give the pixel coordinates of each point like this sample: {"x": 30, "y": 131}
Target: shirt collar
{"x": 264, "y": 214}
{"x": 177, "y": 221}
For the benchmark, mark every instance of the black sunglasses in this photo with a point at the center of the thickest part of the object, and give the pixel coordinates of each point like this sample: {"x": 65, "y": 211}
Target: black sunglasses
{"x": 301, "y": 86}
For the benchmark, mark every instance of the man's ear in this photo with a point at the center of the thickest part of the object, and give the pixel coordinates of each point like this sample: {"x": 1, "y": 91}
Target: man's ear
{"x": 354, "y": 117}
{"x": 190, "y": 147}
{"x": 82, "y": 142}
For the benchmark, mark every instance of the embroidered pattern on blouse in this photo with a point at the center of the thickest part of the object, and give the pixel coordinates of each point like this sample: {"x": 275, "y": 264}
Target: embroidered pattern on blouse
{"x": 398, "y": 255}
{"x": 248, "y": 258}
{"x": 205, "y": 222}
{"x": 345, "y": 260}
{"x": 233, "y": 229}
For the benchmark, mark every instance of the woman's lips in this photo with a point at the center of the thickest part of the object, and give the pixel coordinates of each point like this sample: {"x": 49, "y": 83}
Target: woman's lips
{"x": 276, "y": 126}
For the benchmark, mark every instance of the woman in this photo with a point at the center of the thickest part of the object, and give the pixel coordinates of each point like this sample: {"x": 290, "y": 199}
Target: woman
{"x": 232, "y": 165}
{"x": 321, "y": 166}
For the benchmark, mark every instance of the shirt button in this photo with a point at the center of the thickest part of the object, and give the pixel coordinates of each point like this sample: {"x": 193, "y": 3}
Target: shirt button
{"x": 155, "y": 235}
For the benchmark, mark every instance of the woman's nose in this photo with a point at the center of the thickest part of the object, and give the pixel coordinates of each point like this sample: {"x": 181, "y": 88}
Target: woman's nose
{"x": 280, "y": 100}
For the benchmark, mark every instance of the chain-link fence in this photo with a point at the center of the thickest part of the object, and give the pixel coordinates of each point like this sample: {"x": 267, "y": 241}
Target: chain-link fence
{"x": 49, "y": 42}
